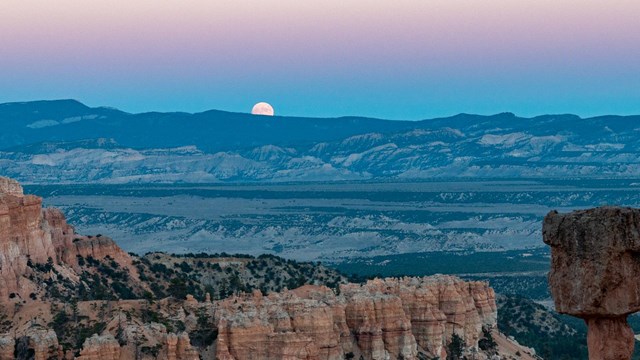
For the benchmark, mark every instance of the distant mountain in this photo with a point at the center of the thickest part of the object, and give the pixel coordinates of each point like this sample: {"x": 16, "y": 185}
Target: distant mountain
{"x": 69, "y": 120}
{"x": 66, "y": 141}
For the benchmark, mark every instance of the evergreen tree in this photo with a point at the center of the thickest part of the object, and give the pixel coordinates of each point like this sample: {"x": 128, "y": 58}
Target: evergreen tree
{"x": 455, "y": 348}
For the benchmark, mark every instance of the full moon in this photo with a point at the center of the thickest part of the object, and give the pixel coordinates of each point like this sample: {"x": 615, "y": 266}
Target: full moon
{"x": 262, "y": 108}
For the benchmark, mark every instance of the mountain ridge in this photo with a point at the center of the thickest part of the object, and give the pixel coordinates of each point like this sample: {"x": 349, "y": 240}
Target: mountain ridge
{"x": 62, "y": 142}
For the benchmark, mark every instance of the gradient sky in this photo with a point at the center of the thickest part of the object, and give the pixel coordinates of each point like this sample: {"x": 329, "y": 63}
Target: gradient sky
{"x": 399, "y": 59}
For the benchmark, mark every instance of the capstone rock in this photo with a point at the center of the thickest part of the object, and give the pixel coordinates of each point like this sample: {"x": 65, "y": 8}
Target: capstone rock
{"x": 595, "y": 267}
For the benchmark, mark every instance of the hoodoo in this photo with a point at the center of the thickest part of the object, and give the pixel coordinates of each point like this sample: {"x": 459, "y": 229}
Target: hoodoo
{"x": 595, "y": 267}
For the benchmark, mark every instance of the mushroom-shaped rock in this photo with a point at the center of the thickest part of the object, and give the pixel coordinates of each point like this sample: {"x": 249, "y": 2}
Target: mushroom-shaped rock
{"x": 595, "y": 272}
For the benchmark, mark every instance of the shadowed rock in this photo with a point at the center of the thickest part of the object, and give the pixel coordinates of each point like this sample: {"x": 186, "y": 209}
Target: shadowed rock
{"x": 595, "y": 273}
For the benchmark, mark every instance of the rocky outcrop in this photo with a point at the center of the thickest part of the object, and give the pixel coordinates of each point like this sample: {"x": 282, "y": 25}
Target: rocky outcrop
{"x": 68, "y": 245}
{"x": 436, "y": 308}
{"x": 7, "y": 346}
{"x": 169, "y": 346}
{"x": 100, "y": 347}
{"x": 10, "y": 187}
{"x": 382, "y": 319}
{"x": 178, "y": 347}
{"x": 41, "y": 342}
{"x": 30, "y": 234}
{"x": 22, "y": 238}
{"x": 595, "y": 266}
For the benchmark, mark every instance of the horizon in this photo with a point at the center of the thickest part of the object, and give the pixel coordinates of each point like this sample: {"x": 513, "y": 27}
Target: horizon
{"x": 321, "y": 117}
{"x": 405, "y": 60}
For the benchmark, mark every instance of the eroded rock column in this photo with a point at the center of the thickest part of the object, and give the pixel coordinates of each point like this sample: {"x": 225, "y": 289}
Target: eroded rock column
{"x": 595, "y": 274}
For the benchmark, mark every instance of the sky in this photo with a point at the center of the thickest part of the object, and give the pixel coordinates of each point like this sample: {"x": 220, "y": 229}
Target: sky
{"x": 394, "y": 59}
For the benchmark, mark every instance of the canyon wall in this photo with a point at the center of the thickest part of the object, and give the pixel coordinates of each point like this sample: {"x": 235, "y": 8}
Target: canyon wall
{"x": 382, "y": 319}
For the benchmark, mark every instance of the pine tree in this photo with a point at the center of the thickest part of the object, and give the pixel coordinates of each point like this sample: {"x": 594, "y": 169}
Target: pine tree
{"x": 455, "y": 348}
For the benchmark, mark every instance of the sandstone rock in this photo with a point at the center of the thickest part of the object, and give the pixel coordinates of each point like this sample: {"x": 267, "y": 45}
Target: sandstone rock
{"x": 10, "y": 187}
{"x": 383, "y": 319}
{"x": 610, "y": 338}
{"x": 100, "y": 247}
{"x": 100, "y": 347}
{"x": 7, "y": 346}
{"x": 178, "y": 347}
{"x": 42, "y": 342}
{"x": 381, "y": 326}
{"x": 594, "y": 273}
{"x": 29, "y": 233}
{"x": 21, "y": 239}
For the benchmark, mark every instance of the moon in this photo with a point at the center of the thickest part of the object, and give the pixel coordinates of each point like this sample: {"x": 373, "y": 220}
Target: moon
{"x": 262, "y": 108}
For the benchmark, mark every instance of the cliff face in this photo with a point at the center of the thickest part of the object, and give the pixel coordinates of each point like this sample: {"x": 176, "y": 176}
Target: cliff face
{"x": 594, "y": 274}
{"x": 169, "y": 346}
{"x": 30, "y": 234}
{"x": 391, "y": 318}
{"x": 100, "y": 347}
{"x": 10, "y": 187}
{"x": 22, "y": 237}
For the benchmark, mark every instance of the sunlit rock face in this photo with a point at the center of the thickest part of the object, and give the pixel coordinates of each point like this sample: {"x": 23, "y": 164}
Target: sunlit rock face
{"x": 30, "y": 234}
{"x": 23, "y": 236}
{"x": 10, "y": 187}
{"x": 595, "y": 268}
{"x": 100, "y": 347}
{"x": 382, "y": 319}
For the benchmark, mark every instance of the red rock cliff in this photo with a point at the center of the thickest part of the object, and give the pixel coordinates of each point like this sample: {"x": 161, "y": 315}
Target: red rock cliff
{"x": 382, "y": 319}
{"x": 29, "y": 233}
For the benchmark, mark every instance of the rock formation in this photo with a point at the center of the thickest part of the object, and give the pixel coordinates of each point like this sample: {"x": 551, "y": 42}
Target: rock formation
{"x": 100, "y": 347}
{"x": 382, "y": 319}
{"x": 22, "y": 238}
{"x": 41, "y": 342}
{"x": 10, "y": 187}
{"x": 106, "y": 347}
{"x": 179, "y": 347}
{"x": 7, "y": 346}
{"x": 595, "y": 266}
{"x": 31, "y": 234}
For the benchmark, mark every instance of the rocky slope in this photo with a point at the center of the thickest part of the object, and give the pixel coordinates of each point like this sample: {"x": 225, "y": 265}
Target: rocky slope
{"x": 69, "y": 296}
{"x": 554, "y": 336}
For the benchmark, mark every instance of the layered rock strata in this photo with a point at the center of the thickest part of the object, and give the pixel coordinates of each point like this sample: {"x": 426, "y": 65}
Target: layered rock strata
{"x": 595, "y": 267}
{"x": 170, "y": 346}
{"x": 382, "y": 319}
{"x": 100, "y": 347}
{"x": 31, "y": 234}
